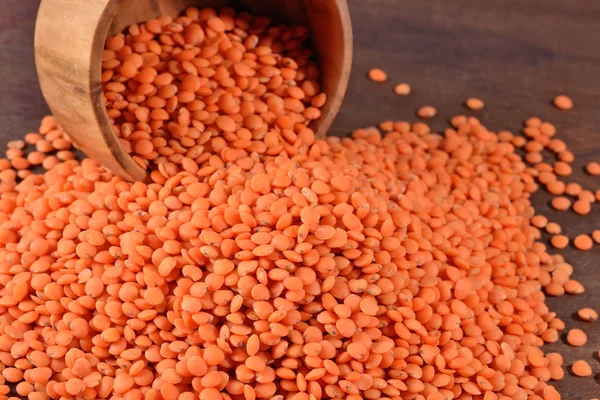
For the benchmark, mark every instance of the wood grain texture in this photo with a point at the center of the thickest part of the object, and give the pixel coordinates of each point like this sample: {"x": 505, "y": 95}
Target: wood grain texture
{"x": 69, "y": 40}
{"x": 514, "y": 54}
{"x": 70, "y": 37}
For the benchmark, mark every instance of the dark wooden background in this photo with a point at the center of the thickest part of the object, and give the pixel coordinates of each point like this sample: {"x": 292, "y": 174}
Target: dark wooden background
{"x": 514, "y": 54}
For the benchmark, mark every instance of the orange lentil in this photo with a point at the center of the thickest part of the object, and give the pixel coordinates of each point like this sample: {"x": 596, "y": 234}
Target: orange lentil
{"x": 426, "y": 112}
{"x": 562, "y": 168}
{"x": 583, "y": 242}
{"x": 587, "y": 195}
{"x": 402, "y": 89}
{"x": 474, "y": 103}
{"x": 556, "y": 187}
{"x": 563, "y": 102}
{"x": 582, "y": 207}
{"x": 587, "y": 314}
{"x": 573, "y": 189}
{"x": 574, "y": 287}
{"x": 561, "y": 203}
{"x": 576, "y": 337}
{"x": 553, "y": 228}
{"x": 596, "y": 236}
{"x": 581, "y": 368}
{"x": 559, "y": 241}
{"x": 377, "y": 75}
{"x": 593, "y": 168}
{"x": 539, "y": 221}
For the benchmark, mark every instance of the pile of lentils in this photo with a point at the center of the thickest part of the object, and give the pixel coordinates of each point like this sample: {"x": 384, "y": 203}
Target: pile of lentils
{"x": 260, "y": 262}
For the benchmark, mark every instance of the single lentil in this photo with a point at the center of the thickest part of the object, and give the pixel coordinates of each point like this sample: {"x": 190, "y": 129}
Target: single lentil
{"x": 377, "y": 75}
{"x": 561, "y": 203}
{"x": 573, "y": 189}
{"x": 426, "y": 112}
{"x": 587, "y": 314}
{"x": 583, "y": 242}
{"x": 402, "y": 89}
{"x": 582, "y": 207}
{"x": 474, "y": 104}
{"x": 576, "y": 337}
{"x": 553, "y": 228}
{"x": 581, "y": 368}
{"x": 539, "y": 221}
{"x": 563, "y": 102}
{"x": 559, "y": 241}
{"x": 593, "y": 168}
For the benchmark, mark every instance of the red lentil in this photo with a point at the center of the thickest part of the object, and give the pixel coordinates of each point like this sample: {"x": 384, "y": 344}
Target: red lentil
{"x": 562, "y": 168}
{"x": 426, "y": 112}
{"x": 582, "y": 207}
{"x": 563, "y": 102}
{"x": 588, "y": 314}
{"x": 593, "y": 168}
{"x": 377, "y": 75}
{"x": 553, "y": 228}
{"x": 556, "y": 187}
{"x": 581, "y": 368}
{"x": 574, "y": 287}
{"x": 573, "y": 189}
{"x": 596, "y": 236}
{"x": 539, "y": 221}
{"x": 587, "y": 195}
{"x": 561, "y": 203}
{"x": 402, "y": 89}
{"x": 583, "y": 242}
{"x": 474, "y": 104}
{"x": 576, "y": 337}
{"x": 559, "y": 241}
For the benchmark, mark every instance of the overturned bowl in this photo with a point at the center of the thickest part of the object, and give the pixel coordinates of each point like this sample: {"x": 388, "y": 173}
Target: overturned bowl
{"x": 70, "y": 38}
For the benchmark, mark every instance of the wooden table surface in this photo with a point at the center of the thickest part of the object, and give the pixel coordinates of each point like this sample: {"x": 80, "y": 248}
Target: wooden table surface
{"x": 515, "y": 54}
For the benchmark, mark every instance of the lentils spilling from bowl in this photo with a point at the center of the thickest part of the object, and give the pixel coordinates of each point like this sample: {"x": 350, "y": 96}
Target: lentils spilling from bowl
{"x": 261, "y": 262}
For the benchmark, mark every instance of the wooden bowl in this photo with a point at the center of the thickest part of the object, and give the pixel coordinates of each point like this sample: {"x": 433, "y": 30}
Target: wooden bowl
{"x": 70, "y": 37}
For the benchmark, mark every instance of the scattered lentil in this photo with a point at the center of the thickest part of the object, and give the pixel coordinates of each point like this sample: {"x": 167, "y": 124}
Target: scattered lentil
{"x": 426, "y": 112}
{"x": 574, "y": 287}
{"x": 593, "y": 168}
{"x": 556, "y": 187}
{"x": 581, "y": 368}
{"x": 377, "y": 75}
{"x": 563, "y": 102}
{"x": 539, "y": 221}
{"x": 576, "y": 337}
{"x": 587, "y": 195}
{"x": 588, "y": 314}
{"x": 573, "y": 189}
{"x": 474, "y": 104}
{"x": 559, "y": 241}
{"x": 561, "y": 203}
{"x": 553, "y": 228}
{"x": 582, "y": 207}
{"x": 402, "y": 89}
{"x": 583, "y": 242}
